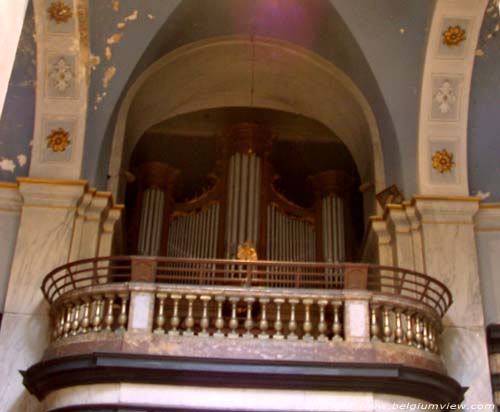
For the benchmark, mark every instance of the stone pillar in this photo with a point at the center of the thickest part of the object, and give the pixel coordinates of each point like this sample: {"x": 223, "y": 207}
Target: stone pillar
{"x": 450, "y": 256}
{"x": 385, "y": 251}
{"x": 399, "y": 227}
{"x": 416, "y": 236}
{"x": 43, "y": 243}
{"x": 10, "y": 206}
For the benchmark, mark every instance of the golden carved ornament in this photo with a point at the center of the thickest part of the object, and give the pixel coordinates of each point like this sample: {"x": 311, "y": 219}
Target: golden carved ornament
{"x": 247, "y": 251}
{"x": 453, "y": 36}
{"x": 442, "y": 161}
{"x": 58, "y": 140}
{"x": 59, "y": 11}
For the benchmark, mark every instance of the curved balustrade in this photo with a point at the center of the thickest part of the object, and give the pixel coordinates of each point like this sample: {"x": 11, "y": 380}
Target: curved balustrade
{"x": 138, "y": 310}
{"x": 384, "y": 280}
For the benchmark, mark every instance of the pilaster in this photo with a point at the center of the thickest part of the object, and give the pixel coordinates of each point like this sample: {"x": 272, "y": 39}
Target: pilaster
{"x": 10, "y": 208}
{"x": 43, "y": 243}
{"x": 400, "y": 229}
{"x": 450, "y": 256}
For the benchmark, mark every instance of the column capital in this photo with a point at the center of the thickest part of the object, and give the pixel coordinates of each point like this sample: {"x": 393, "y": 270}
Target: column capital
{"x": 379, "y": 227}
{"x": 157, "y": 174}
{"x": 332, "y": 182}
{"x": 51, "y": 193}
{"x": 10, "y": 199}
{"x": 246, "y": 138}
{"x": 449, "y": 210}
{"x": 398, "y": 217}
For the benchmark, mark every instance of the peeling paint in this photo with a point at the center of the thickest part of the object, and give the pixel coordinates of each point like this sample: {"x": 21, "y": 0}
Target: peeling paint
{"x": 108, "y": 53}
{"x": 479, "y": 53}
{"x": 132, "y": 16}
{"x": 120, "y": 25}
{"x": 151, "y": 17}
{"x": 115, "y": 38}
{"x": 22, "y": 159}
{"x": 115, "y": 4}
{"x": 108, "y": 75}
{"x": 7, "y": 165}
{"x": 94, "y": 61}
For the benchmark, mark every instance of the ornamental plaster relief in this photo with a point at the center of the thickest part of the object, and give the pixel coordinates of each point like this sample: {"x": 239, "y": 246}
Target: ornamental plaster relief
{"x": 61, "y": 91}
{"x": 445, "y": 94}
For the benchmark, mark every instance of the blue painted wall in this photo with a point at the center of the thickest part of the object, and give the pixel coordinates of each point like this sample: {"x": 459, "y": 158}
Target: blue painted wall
{"x": 16, "y": 123}
{"x": 483, "y": 137}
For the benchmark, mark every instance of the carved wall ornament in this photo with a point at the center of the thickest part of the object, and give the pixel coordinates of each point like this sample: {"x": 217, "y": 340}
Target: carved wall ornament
{"x": 58, "y": 140}
{"x": 247, "y": 251}
{"x": 442, "y": 161}
{"x": 445, "y": 97}
{"x": 59, "y": 11}
{"x": 61, "y": 75}
{"x": 453, "y": 36}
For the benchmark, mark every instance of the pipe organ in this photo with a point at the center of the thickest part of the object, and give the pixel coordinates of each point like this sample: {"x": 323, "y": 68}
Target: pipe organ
{"x": 243, "y": 205}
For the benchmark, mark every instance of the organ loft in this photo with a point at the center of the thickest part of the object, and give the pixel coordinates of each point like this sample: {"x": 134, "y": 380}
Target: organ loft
{"x": 249, "y": 205}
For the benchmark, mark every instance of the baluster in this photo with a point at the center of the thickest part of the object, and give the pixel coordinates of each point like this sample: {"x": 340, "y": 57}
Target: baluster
{"x": 307, "y": 326}
{"x": 96, "y": 320}
{"x": 123, "y": 317}
{"x": 249, "y": 321}
{"x": 337, "y": 325}
{"x": 409, "y": 328}
{"x": 387, "y": 324}
{"x": 322, "y": 323}
{"x": 204, "y": 322}
{"x": 56, "y": 320}
{"x": 75, "y": 324}
{"x": 399, "y": 326}
{"x": 374, "y": 326}
{"x": 175, "y": 320}
{"x": 278, "y": 324}
{"x": 189, "y": 318}
{"x": 219, "y": 322}
{"x": 435, "y": 328}
{"x": 86, "y": 315}
{"x": 62, "y": 321}
{"x": 425, "y": 334}
{"x": 418, "y": 332}
{"x": 292, "y": 324}
{"x": 109, "y": 320}
{"x": 160, "y": 315}
{"x": 263, "y": 324}
{"x": 233, "y": 322}
{"x": 67, "y": 323}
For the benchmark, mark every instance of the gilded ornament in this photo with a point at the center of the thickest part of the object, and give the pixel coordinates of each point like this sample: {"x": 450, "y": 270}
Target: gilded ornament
{"x": 247, "y": 251}
{"x": 442, "y": 161}
{"x": 58, "y": 140}
{"x": 59, "y": 11}
{"x": 453, "y": 36}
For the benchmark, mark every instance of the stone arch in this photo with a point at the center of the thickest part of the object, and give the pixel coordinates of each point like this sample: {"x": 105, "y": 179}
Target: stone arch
{"x": 283, "y": 76}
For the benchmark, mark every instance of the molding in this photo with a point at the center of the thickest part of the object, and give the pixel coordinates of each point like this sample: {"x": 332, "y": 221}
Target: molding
{"x": 10, "y": 198}
{"x": 458, "y": 211}
{"x": 31, "y": 180}
{"x": 487, "y": 218}
{"x": 47, "y": 376}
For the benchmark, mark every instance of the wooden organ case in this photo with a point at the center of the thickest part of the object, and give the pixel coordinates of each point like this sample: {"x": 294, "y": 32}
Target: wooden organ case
{"x": 243, "y": 205}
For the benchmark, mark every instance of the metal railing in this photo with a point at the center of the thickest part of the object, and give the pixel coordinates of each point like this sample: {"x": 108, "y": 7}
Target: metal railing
{"x": 385, "y": 280}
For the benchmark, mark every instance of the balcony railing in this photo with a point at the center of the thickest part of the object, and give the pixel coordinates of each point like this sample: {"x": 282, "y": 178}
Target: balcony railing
{"x": 264, "y": 299}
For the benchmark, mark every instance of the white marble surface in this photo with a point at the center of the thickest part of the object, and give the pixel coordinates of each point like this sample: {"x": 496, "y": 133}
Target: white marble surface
{"x": 23, "y": 338}
{"x": 399, "y": 226}
{"x": 356, "y": 321}
{"x": 466, "y": 358}
{"x": 141, "y": 311}
{"x": 10, "y": 205}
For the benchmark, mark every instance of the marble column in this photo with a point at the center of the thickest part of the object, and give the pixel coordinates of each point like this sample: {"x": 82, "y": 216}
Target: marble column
{"x": 10, "y": 207}
{"x": 450, "y": 256}
{"x": 400, "y": 230}
{"x": 43, "y": 243}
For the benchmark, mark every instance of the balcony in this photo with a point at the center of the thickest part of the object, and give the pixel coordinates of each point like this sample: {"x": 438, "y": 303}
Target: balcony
{"x": 263, "y": 324}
